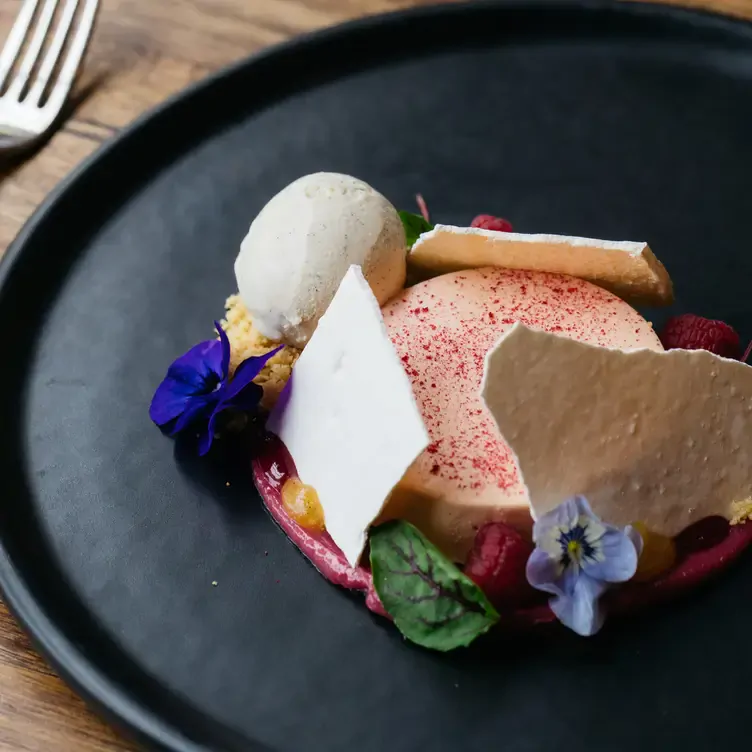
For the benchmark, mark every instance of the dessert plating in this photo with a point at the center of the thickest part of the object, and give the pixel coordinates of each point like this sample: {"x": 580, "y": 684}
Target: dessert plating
{"x": 506, "y": 441}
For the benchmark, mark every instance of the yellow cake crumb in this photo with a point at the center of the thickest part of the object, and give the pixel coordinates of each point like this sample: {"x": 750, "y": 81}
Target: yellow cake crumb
{"x": 741, "y": 511}
{"x": 246, "y": 341}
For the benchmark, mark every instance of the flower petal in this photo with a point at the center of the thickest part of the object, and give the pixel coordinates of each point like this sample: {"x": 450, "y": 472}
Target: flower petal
{"x": 246, "y": 401}
{"x": 168, "y": 402}
{"x": 547, "y": 574}
{"x": 206, "y": 437}
{"x": 245, "y": 373}
{"x": 201, "y": 363}
{"x": 636, "y": 539}
{"x": 186, "y": 379}
{"x": 198, "y": 407}
{"x": 582, "y": 505}
{"x": 224, "y": 344}
{"x": 191, "y": 374}
{"x": 618, "y": 561}
{"x": 543, "y": 572}
{"x": 563, "y": 516}
{"x": 568, "y": 580}
{"x": 581, "y": 611}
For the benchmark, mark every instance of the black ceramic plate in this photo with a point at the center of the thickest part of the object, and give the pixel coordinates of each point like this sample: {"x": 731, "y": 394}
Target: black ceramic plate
{"x": 616, "y": 122}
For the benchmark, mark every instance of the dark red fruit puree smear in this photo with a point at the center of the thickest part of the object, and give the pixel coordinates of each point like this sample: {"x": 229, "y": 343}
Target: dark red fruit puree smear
{"x": 703, "y": 549}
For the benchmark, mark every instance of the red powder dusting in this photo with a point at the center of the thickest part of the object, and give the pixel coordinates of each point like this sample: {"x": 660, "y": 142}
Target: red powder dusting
{"x": 466, "y": 451}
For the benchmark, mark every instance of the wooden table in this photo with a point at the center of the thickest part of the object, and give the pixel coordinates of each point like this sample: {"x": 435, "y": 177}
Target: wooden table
{"x": 143, "y": 51}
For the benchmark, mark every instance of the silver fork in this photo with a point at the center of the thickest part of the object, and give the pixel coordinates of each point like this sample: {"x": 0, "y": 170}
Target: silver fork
{"x": 23, "y": 116}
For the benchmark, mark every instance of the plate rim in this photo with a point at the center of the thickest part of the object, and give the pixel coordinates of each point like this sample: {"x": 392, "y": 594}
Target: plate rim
{"x": 87, "y": 677}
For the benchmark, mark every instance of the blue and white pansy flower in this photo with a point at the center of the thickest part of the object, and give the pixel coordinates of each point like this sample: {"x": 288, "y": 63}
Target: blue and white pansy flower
{"x": 577, "y": 557}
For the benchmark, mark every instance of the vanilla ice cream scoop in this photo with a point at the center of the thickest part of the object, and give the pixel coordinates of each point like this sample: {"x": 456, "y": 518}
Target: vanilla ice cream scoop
{"x": 302, "y": 243}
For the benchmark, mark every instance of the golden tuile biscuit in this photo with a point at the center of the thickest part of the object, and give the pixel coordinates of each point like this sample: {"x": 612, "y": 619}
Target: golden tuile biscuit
{"x": 627, "y": 269}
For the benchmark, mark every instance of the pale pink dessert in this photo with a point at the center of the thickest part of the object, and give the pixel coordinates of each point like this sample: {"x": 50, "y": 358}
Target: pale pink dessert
{"x": 442, "y": 330}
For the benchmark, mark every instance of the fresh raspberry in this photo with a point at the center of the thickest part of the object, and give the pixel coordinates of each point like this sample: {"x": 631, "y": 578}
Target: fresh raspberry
{"x": 690, "y": 332}
{"x": 489, "y": 222}
{"x": 497, "y": 564}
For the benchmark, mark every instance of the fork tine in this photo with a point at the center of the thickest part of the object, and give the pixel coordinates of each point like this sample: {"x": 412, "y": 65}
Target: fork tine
{"x": 53, "y": 53}
{"x": 32, "y": 53}
{"x": 16, "y": 38}
{"x": 76, "y": 52}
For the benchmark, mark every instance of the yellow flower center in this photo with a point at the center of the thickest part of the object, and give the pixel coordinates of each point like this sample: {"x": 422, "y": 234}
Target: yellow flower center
{"x": 574, "y": 549}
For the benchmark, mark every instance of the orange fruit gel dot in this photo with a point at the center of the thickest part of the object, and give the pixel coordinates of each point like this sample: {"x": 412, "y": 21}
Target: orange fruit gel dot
{"x": 302, "y": 503}
{"x": 658, "y": 554}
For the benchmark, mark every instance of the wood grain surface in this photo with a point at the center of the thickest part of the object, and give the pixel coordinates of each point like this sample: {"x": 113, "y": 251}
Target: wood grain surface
{"x": 142, "y": 51}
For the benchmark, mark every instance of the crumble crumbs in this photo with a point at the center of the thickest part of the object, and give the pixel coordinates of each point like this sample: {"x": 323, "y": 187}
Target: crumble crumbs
{"x": 741, "y": 511}
{"x": 246, "y": 340}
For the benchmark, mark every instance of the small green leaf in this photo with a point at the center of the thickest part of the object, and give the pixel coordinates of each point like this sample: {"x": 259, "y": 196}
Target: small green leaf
{"x": 414, "y": 225}
{"x": 431, "y": 601}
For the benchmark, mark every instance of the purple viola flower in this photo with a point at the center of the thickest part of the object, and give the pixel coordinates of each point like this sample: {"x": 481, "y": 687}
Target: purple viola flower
{"x": 198, "y": 388}
{"x": 577, "y": 557}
